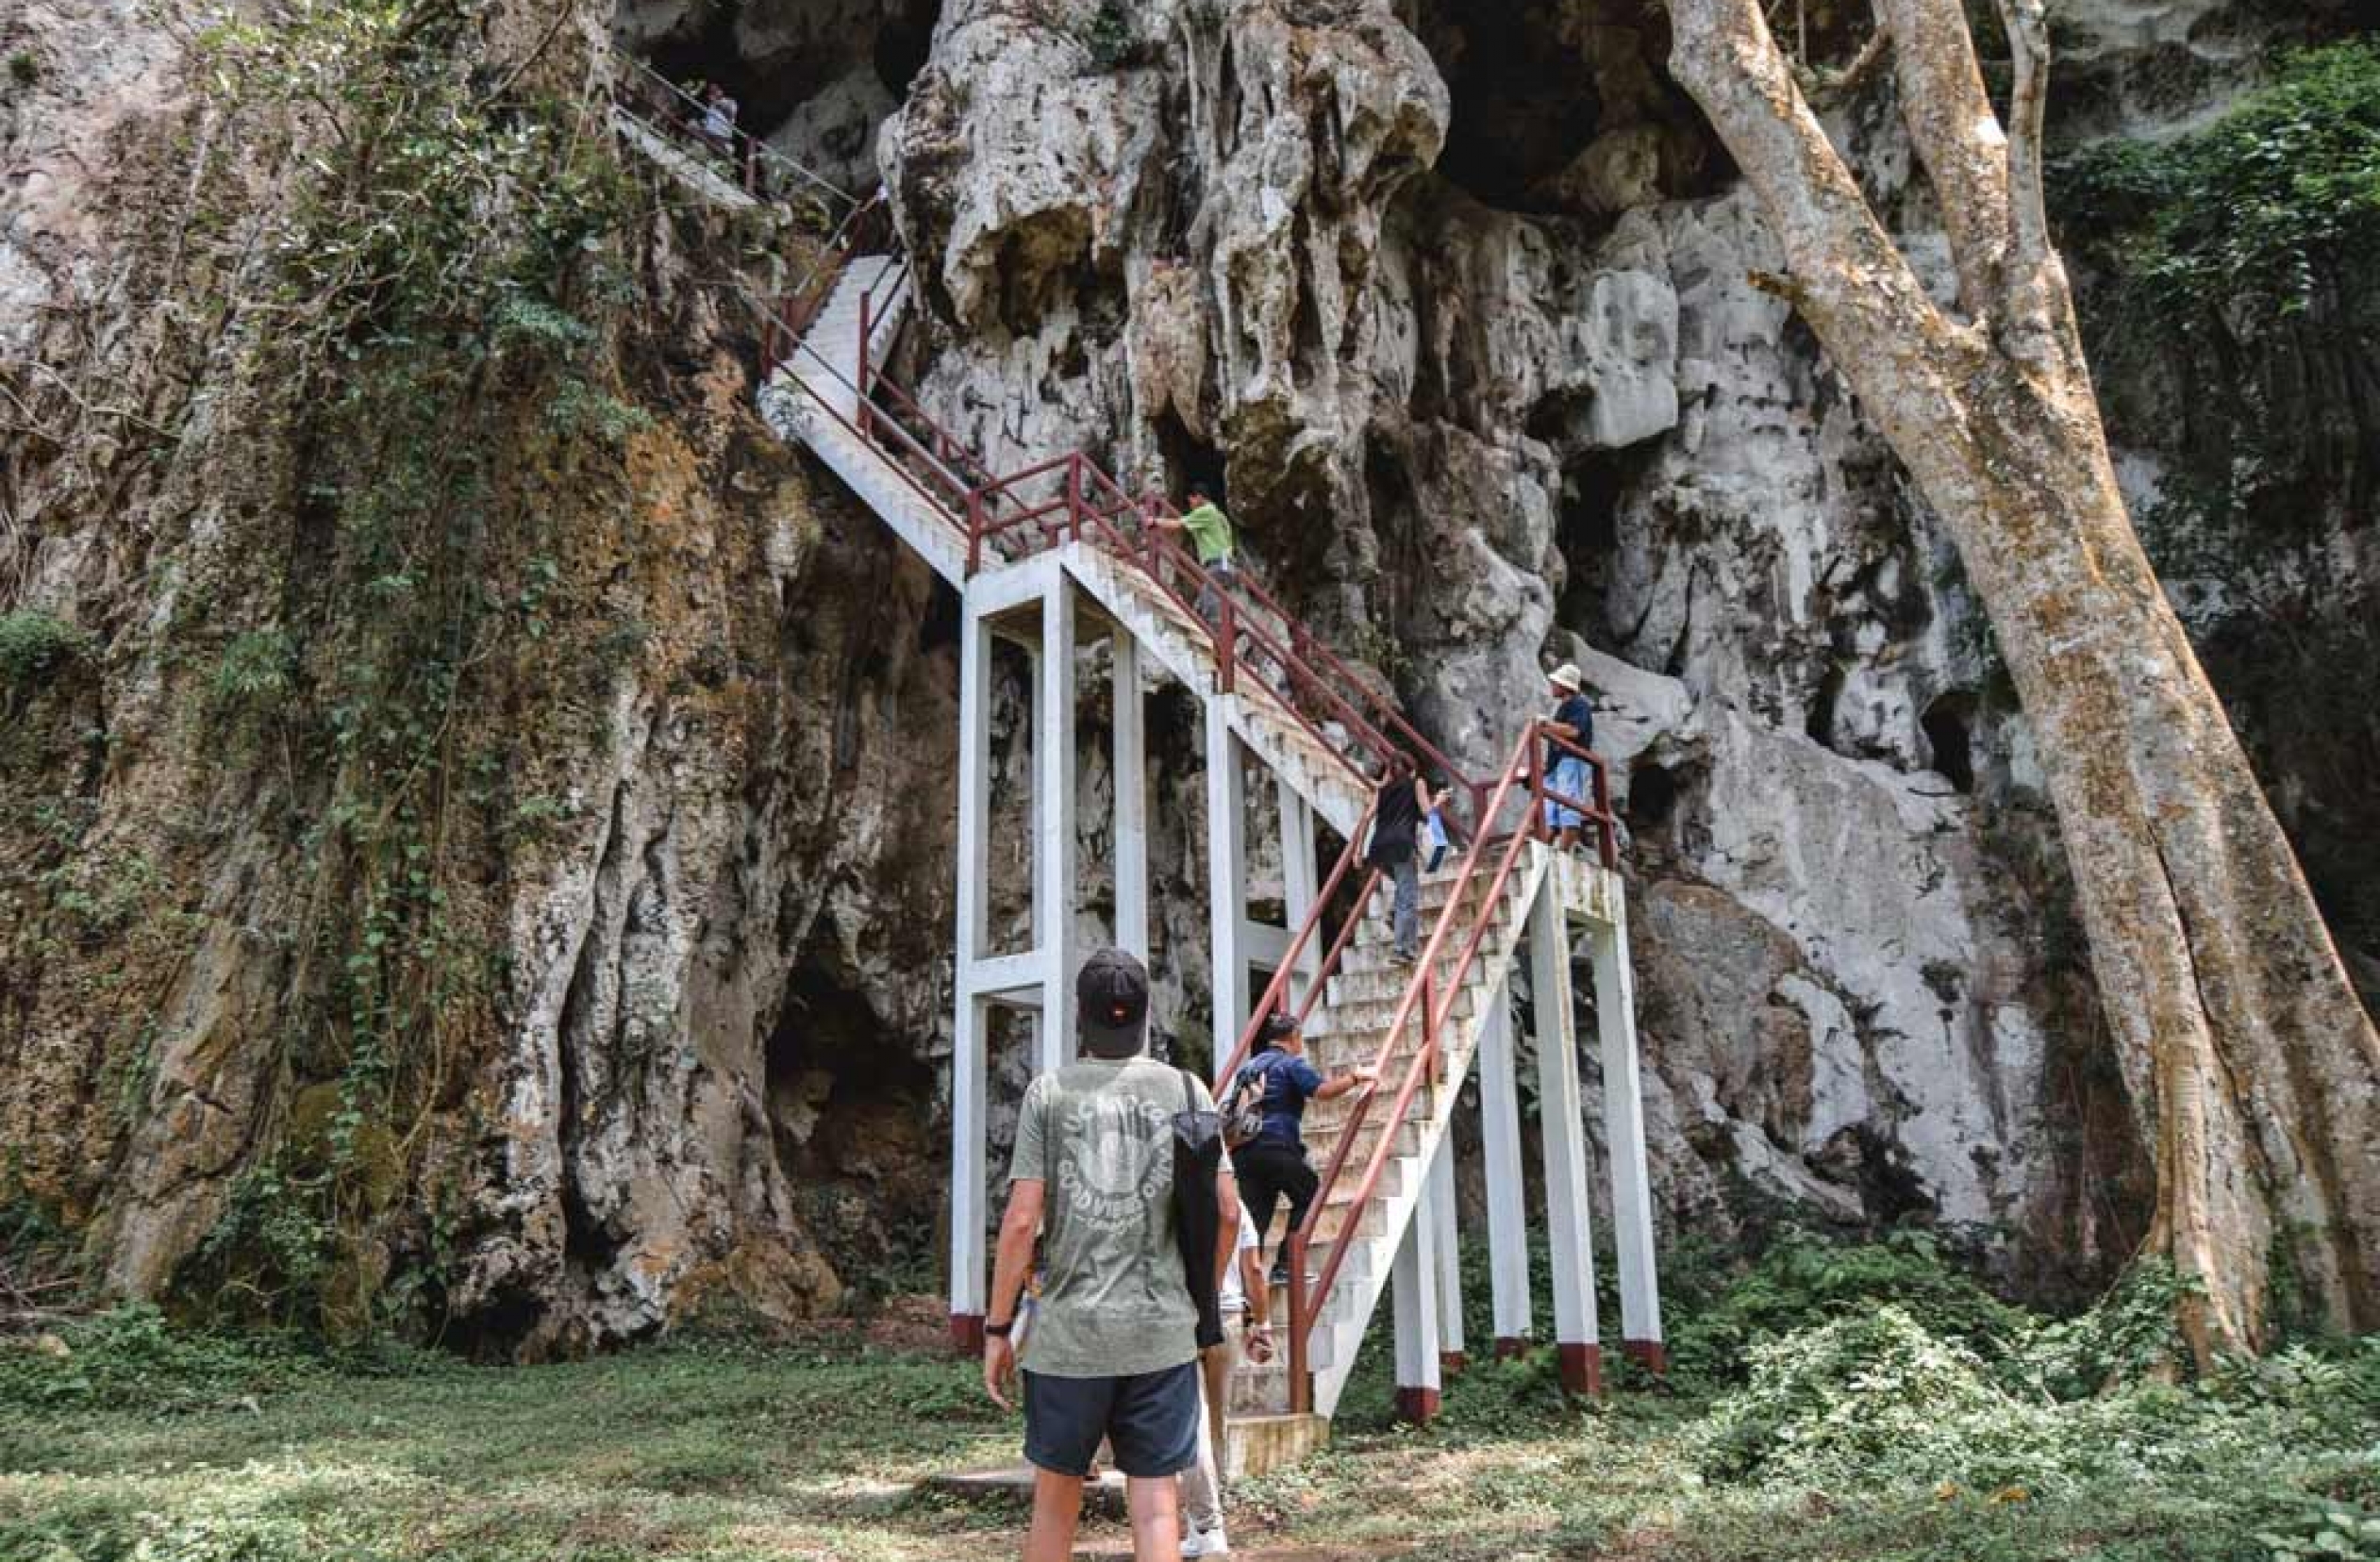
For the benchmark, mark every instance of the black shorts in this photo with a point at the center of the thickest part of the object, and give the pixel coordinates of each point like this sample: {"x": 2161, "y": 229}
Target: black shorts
{"x": 1150, "y": 1418}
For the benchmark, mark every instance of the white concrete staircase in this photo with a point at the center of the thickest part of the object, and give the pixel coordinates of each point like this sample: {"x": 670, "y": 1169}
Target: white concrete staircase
{"x": 1347, "y": 1032}
{"x": 813, "y": 399}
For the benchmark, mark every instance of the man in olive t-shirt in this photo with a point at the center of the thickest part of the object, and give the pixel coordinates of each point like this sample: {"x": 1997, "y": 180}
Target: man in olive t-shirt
{"x": 1113, "y": 1349}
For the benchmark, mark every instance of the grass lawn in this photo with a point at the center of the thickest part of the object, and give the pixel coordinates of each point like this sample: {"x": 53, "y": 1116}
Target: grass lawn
{"x": 813, "y": 1449}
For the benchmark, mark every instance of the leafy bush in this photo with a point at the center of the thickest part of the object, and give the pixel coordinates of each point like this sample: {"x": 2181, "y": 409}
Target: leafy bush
{"x": 32, "y": 643}
{"x": 131, "y": 1358}
{"x": 1802, "y": 1280}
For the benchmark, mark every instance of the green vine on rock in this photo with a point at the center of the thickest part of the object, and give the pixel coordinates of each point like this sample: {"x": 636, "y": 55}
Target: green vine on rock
{"x": 444, "y": 248}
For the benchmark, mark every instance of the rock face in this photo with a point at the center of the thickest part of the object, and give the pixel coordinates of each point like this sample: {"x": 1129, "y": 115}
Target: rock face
{"x": 1455, "y": 304}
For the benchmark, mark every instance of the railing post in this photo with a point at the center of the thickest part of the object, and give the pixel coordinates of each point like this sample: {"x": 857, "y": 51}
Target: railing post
{"x": 1228, "y": 635}
{"x": 974, "y": 531}
{"x": 1607, "y": 847}
{"x": 1074, "y": 497}
{"x": 1536, "y": 786}
{"x": 1302, "y": 1307}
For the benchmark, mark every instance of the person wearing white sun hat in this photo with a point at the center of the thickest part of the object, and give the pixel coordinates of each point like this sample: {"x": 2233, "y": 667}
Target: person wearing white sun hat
{"x": 1573, "y": 719}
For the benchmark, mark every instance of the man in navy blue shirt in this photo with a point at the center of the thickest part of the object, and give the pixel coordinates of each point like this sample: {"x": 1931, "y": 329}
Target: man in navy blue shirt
{"x": 1274, "y": 1163}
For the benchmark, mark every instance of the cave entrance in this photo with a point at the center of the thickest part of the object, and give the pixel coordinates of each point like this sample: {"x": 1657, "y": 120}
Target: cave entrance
{"x": 806, "y": 80}
{"x": 853, "y": 1117}
{"x": 1949, "y": 726}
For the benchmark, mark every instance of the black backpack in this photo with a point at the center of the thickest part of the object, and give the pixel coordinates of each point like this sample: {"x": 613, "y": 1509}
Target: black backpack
{"x": 1198, "y": 1153}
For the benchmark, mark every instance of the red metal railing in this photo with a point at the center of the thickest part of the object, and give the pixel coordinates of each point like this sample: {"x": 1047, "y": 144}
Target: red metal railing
{"x": 670, "y": 110}
{"x": 1435, "y": 1001}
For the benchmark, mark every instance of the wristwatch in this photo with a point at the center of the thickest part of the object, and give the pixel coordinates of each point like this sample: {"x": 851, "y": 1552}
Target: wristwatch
{"x": 999, "y": 1331}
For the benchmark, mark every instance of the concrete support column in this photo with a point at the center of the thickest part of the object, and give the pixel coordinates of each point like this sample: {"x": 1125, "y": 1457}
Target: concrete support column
{"x": 1443, "y": 1214}
{"x": 1623, "y": 1136}
{"x": 1226, "y": 877}
{"x": 1054, "y": 849}
{"x": 1131, "y": 762}
{"x": 970, "y": 1021}
{"x": 1413, "y": 1284}
{"x": 1299, "y": 885}
{"x": 1576, "y": 1333}
{"x": 1507, "y": 1206}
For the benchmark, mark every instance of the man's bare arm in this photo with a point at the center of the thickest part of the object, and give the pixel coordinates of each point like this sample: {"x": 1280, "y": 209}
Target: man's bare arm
{"x": 1012, "y": 1261}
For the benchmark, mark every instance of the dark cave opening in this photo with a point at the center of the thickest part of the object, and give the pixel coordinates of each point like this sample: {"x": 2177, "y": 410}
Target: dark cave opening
{"x": 1949, "y": 727}
{"x": 775, "y": 56}
{"x": 1653, "y": 794}
{"x": 853, "y": 1117}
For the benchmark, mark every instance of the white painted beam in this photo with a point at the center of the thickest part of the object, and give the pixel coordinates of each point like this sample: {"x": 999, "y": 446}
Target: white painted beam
{"x": 1624, "y": 1137}
{"x": 1129, "y": 746}
{"x": 1299, "y": 886}
{"x": 1443, "y": 1214}
{"x": 1054, "y": 852}
{"x": 1413, "y": 1287}
{"x": 969, "y": 1026}
{"x": 1226, "y": 876}
{"x": 1507, "y": 1197}
{"x": 1567, "y": 1214}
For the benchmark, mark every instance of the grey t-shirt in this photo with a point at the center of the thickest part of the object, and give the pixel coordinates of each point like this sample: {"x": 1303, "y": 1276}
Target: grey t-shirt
{"x": 1099, "y": 1134}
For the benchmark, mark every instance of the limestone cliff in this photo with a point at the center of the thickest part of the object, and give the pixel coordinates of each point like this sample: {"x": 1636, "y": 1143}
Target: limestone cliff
{"x": 1453, "y": 300}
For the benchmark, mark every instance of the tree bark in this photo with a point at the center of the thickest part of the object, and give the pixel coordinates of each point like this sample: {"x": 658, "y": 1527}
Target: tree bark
{"x": 2252, "y": 1065}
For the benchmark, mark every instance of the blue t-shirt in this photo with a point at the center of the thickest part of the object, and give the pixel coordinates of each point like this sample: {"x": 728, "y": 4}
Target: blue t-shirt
{"x": 1289, "y": 1081}
{"x": 1576, "y": 713}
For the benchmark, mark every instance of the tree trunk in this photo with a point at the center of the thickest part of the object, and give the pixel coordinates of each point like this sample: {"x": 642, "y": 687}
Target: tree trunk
{"x": 2250, "y": 1063}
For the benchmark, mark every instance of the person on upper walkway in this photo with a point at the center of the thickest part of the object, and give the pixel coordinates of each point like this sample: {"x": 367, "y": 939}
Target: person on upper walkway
{"x": 1273, "y": 1164}
{"x": 1395, "y": 849}
{"x": 1566, "y": 773}
{"x": 1209, "y": 532}
{"x": 718, "y": 117}
{"x": 1113, "y": 1350}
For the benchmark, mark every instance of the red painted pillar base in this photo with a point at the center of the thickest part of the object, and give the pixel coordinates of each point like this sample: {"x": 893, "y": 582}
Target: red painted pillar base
{"x": 1651, "y": 1354}
{"x": 966, "y": 1332}
{"x": 1451, "y": 1363}
{"x": 1582, "y": 1369}
{"x": 1511, "y": 1347}
{"x": 1418, "y": 1406}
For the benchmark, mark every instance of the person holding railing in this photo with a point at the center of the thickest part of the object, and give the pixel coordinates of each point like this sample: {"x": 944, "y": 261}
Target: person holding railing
{"x": 1395, "y": 849}
{"x": 1209, "y": 531}
{"x": 1274, "y": 1164}
{"x": 1574, "y": 719}
{"x": 718, "y": 125}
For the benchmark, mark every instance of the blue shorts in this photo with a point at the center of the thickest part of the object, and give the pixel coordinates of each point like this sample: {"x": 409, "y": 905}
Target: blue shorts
{"x": 1570, "y": 778}
{"x": 1149, "y": 1419}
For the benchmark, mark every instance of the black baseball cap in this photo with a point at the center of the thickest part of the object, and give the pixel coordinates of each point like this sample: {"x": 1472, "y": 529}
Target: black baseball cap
{"x": 1112, "y": 995}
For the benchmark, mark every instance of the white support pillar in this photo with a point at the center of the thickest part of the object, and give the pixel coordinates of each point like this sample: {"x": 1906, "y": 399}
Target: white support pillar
{"x": 1298, "y": 884}
{"x": 1576, "y": 1336}
{"x": 1624, "y": 1137}
{"x": 1507, "y": 1206}
{"x": 1131, "y": 763}
{"x": 970, "y": 1021}
{"x": 1413, "y": 1282}
{"x": 1054, "y": 822}
{"x": 1226, "y": 879}
{"x": 1450, "y": 1258}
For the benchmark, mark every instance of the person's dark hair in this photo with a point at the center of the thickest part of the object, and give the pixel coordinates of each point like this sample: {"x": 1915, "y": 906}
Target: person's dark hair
{"x": 1197, "y": 496}
{"x": 1280, "y": 1023}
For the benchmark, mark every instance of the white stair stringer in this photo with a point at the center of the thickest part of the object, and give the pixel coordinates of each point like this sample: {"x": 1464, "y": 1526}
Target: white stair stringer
{"x": 1360, "y": 1001}
{"x": 1179, "y": 642}
{"x": 688, "y": 167}
{"x": 790, "y": 405}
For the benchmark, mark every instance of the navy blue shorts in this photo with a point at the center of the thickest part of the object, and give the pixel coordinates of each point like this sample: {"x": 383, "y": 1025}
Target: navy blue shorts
{"x": 1151, "y": 1420}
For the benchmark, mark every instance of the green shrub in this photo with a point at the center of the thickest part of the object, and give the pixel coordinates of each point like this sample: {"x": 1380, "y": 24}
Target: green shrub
{"x": 255, "y": 670}
{"x": 33, "y": 644}
{"x": 1802, "y": 1280}
{"x": 132, "y": 1358}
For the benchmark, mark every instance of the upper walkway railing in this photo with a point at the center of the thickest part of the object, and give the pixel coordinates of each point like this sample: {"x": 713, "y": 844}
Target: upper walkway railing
{"x": 669, "y": 110}
{"x": 1254, "y": 640}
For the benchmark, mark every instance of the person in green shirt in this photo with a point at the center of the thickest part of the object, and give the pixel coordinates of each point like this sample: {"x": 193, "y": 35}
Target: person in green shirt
{"x": 1113, "y": 1349}
{"x": 1209, "y": 531}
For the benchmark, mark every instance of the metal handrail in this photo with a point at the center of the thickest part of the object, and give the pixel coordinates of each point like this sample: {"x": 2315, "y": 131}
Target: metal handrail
{"x": 1287, "y": 969}
{"x": 1305, "y": 1302}
{"x": 755, "y": 149}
